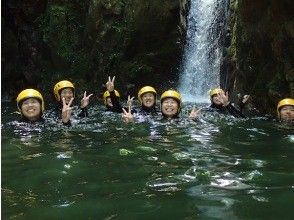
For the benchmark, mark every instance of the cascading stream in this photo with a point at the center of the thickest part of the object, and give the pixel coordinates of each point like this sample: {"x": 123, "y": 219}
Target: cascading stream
{"x": 203, "y": 50}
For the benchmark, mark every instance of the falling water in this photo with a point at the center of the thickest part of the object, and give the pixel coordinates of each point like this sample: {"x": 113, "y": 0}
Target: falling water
{"x": 206, "y": 23}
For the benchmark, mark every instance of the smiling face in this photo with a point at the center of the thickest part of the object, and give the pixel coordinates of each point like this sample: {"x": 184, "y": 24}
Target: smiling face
{"x": 287, "y": 113}
{"x": 31, "y": 109}
{"x": 169, "y": 107}
{"x": 216, "y": 100}
{"x": 148, "y": 99}
{"x": 67, "y": 94}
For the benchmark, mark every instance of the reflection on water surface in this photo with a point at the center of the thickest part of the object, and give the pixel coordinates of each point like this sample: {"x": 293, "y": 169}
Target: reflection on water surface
{"x": 101, "y": 168}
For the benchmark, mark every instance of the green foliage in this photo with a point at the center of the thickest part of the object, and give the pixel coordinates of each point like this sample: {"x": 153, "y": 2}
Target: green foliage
{"x": 120, "y": 27}
{"x": 61, "y": 28}
{"x": 204, "y": 176}
{"x": 136, "y": 68}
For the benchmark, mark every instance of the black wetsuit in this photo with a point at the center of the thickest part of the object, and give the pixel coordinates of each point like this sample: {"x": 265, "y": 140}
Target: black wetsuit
{"x": 57, "y": 111}
{"x": 148, "y": 111}
{"x": 116, "y": 106}
{"x": 249, "y": 110}
{"x": 229, "y": 108}
{"x": 40, "y": 120}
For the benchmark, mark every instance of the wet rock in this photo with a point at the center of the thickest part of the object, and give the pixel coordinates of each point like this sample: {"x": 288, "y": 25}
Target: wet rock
{"x": 259, "y": 60}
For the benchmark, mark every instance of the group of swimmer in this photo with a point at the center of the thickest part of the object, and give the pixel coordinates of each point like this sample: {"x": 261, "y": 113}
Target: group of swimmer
{"x": 30, "y": 103}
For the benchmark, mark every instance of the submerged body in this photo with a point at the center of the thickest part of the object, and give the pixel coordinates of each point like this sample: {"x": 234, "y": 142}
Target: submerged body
{"x": 220, "y": 102}
{"x": 64, "y": 92}
{"x": 158, "y": 168}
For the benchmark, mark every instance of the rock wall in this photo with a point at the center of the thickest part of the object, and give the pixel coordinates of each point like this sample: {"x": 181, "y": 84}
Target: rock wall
{"x": 85, "y": 41}
{"x": 259, "y": 58}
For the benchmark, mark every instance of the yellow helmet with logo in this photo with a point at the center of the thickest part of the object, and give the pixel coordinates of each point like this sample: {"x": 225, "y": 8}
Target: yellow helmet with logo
{"x": 144, "y": 90}
{"x": 283, "y": 102}
{"x": 107, "y": 94}
{"x": 29, "y": 93}
{"x": 171, "y": 94}
{"x": 62, "y": 85}
{"x": 215, "y": 92}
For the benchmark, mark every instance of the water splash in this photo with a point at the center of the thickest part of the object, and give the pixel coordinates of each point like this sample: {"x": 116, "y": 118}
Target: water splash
{"x": 203, "y": 50}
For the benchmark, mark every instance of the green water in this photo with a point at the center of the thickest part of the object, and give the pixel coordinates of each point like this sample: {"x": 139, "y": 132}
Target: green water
{"x": 101, "y": 168}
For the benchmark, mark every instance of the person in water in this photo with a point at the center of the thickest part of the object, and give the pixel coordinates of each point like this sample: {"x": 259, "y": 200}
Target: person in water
{"x": 147, "y": 99}
{"x": 111, "y": 98}
{"x": 285, "y": 110}
{"x": 64, "y": 92}
{"x": 220, "y": 102}
{"x": 170, "y": 105}
{"x": 30, "y": 103}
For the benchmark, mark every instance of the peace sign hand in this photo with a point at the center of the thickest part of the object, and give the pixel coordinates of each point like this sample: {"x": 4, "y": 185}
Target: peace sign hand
{"x": 85, "y": 100}
{"x": 194, "y": 113}
{"x": 110, "y": 84}
{"x": 66, "y": 110}
{"x": 130, "y": 101}
{"x": 127, "y": 116}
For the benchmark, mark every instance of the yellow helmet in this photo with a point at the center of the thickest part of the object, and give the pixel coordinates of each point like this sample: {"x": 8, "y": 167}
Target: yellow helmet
{"x": 171, "y": 94}
{"x": 144, "y": 90}
{"x": 283, "y": 102}
{"x": 215, "y": 92}
{"x": 107, "y": 94}
{"x": 61, "y": 85}
{"x": 29, "y": 93}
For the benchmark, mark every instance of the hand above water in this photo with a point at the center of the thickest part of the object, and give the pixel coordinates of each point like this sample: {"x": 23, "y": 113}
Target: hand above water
{"x": 85, "y": 100}
{"x": 127, "y": 115}
{"x": 224, "y": 98}
{"x": 66, "y": 110}
{"x": 110, "y": 84}
{"x": 194, "y": 113}
{"x": 130, "y": 101}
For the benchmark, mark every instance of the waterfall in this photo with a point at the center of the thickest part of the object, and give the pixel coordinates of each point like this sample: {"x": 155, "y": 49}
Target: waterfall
{"x": 200, "y": 70}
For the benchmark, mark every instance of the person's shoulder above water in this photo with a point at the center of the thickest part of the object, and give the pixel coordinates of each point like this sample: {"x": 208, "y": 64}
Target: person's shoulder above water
{"x": 64, "y": 92}
{"x": 111, "y": 97}
{"x": 111, "y": 101}
{"x": 170, "y": 104}
{"x": 219, "y": 103}
{"x": 220, "y": 100}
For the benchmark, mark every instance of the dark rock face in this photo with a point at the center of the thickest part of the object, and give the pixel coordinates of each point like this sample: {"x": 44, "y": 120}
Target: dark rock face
{"x": 259, "y": 60}
{"x": 21, "y": 48}
{"x": 85, "y": 41}
{"x": 136, "y": 40}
